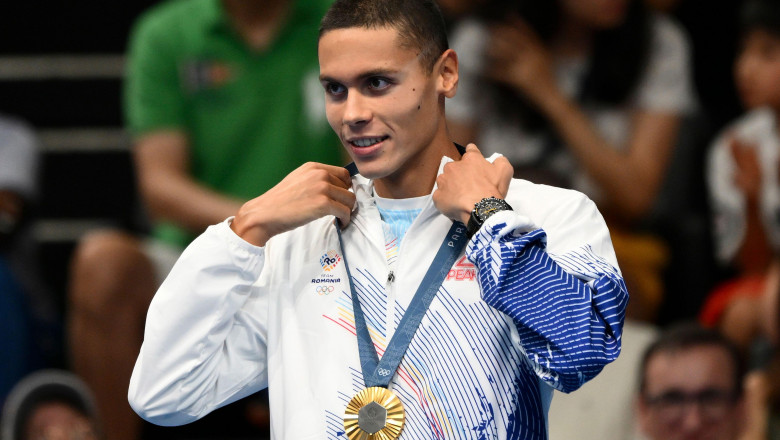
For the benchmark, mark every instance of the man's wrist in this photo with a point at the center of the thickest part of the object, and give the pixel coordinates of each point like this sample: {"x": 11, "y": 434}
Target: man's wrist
{"x": 483, "y": 210}
{"x": 255, "y": 235}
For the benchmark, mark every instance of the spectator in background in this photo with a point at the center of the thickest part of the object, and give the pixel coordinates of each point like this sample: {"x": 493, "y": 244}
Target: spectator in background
{"x": 218, "y": 99}
{"x": 742, "y": 171}
{"x": 29, "y": 320}
{"x": 691, "y": 386}
{"x": 583, "y": 94}
{"x": 762, "y": 386}
{"x": 602, "y": 409}
{"x": 50, "y": 405}
{"x": 712, "y": 58}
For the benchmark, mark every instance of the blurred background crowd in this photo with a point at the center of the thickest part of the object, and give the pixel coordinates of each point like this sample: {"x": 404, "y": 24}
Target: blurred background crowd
{"x": 127, "y": 128}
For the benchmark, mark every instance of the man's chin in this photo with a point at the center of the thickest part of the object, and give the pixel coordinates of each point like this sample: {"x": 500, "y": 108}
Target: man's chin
{"x": 371, "y": 169}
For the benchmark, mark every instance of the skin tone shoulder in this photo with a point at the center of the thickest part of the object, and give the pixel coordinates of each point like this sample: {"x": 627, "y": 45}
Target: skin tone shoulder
{"x": 388, "y": 111}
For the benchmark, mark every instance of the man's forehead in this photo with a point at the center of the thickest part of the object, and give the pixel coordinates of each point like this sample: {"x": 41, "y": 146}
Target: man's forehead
{"x": 361, "y": 37}
{"x": 690, "y": 365}
{"x": 361, "y": 52}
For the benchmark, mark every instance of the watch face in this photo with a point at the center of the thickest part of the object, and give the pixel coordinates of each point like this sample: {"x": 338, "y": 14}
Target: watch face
{"x": 483, "y": 210}
{"x": 489, "y": 206}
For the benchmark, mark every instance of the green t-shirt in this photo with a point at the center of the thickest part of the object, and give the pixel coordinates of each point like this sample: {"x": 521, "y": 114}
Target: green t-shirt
{"x": 251, "y": 117}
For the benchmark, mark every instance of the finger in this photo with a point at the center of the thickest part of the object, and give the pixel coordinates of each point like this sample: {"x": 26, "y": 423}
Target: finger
{"x": 504, "y": 166}
{"x": 334, "y": 201}
{"x": 506, "y": 171}
{"x": 473, "y": 149}
{"x": 338, "y": 180}
{"x": 342, "y": 196}
{"x": 341, "y": 175}
{"x": 342, "y": 212}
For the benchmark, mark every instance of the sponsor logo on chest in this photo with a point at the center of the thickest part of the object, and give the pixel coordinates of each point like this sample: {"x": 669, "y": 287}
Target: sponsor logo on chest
{"x": 462, "y": 270}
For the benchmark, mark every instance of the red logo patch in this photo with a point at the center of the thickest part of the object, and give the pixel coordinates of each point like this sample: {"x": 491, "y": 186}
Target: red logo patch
{"x": 463, "y": 270}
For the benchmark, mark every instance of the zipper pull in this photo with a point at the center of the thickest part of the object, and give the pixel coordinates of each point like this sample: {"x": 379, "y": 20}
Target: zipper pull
{"x": 390, "y": 277}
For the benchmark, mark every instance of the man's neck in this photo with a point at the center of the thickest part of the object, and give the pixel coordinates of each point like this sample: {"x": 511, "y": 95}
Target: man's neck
{"x": 419, "y": 175}
{"x": 257, "y": 22}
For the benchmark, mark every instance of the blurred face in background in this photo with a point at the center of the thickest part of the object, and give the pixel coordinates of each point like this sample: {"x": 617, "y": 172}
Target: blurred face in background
{"x": 596, "y": 14}
{"x": 690, "y": 395}
{"x": 757, "y": 70}
{"x": 59, "y": 421}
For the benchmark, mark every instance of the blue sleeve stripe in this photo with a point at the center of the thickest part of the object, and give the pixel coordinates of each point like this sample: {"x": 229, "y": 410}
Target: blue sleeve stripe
{"x": 568, "y": 312}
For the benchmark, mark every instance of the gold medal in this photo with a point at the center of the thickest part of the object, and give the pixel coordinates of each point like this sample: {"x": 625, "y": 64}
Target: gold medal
{"x": 375, "y": 413}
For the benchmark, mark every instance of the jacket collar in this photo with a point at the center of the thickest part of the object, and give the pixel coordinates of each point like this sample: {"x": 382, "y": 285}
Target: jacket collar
{"x": 364, "y": 188}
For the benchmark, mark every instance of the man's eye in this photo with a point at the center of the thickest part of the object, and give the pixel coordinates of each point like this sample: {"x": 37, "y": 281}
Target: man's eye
{"x": 334, "y": 89}
{"x": 378, "y": 83}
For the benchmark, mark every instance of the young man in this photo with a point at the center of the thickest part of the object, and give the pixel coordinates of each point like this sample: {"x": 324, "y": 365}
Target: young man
{"x": 691, "y": 386}
{"x": 322, "y": 310}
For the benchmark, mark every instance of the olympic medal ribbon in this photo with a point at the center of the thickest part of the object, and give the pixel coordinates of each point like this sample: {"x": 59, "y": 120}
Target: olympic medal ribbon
{"x": 379, "y": 373}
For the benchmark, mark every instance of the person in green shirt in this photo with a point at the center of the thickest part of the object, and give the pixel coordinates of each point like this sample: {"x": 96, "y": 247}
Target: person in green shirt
{"x": 222, "y": 98}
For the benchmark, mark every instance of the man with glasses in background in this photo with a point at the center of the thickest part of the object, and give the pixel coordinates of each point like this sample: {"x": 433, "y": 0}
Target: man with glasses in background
{"x": 691, "y": 386}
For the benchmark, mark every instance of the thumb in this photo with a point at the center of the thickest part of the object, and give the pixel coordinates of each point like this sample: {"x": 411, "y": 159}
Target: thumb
{"x": 472, "y": 148}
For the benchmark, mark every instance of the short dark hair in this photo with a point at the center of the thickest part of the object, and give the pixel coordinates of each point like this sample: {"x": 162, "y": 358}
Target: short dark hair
{"x": 688, "y": 335}
{"x": 419, "y": 23}
{"x": 761, "y": 15}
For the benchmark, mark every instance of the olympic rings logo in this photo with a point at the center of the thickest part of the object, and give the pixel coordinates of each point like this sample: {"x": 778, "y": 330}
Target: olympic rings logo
{"x": 324, "y": 290}
{"x": 384, "y": 372}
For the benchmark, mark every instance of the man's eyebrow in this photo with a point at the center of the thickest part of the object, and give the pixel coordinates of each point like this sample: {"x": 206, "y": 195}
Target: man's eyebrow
{"x": 363, "y": 76}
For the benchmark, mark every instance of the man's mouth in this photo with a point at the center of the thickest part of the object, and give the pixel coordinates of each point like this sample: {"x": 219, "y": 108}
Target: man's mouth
{"x": 367, "y": 141}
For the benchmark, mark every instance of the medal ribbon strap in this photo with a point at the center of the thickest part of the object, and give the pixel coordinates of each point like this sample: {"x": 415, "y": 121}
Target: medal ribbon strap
{"x": 380, "y": 372}
{"x": 368, "y": 357}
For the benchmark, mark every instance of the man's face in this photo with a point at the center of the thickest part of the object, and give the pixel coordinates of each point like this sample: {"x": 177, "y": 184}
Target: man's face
{"x": 380, "y": 101}
{"x": 757, "y": 70}
{"x": 58, "y": 421}
{"x": 690, "y": 395}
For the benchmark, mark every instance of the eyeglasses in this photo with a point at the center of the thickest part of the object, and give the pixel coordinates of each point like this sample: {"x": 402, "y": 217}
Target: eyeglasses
{"x": 671, "y": 405}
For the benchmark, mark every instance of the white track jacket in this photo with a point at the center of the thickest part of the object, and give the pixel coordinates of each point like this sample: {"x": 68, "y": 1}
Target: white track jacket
{"x": 536, "y": 303}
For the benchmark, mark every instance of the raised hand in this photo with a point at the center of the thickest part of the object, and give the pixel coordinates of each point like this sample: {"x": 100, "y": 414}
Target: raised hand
{"x": 467, "y": 181}
{"x": 747, "y": 175}
{"x": 518, "y": 58}
{"x": 312, "y": 191}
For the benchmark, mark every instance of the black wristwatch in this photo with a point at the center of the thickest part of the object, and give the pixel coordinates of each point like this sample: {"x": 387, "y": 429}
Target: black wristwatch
{"x": 483, "y": 210}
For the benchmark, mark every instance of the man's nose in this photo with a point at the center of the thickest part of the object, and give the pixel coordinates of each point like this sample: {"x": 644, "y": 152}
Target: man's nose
{"x": 693, "y": 419}
{"x": 356, "y": 110}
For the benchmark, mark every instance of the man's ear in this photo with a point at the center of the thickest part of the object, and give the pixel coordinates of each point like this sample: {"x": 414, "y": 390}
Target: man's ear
{"x": 447, "y": 71}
